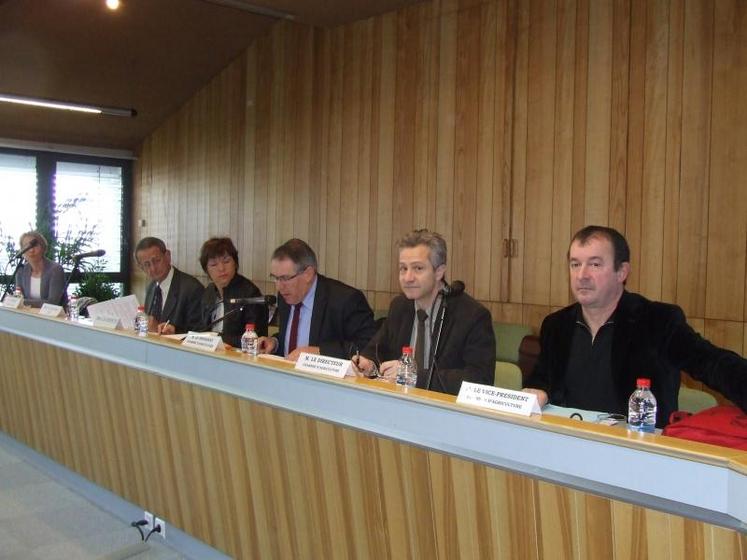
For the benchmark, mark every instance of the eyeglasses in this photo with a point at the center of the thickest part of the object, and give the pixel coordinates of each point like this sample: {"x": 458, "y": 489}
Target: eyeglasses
{"x": 155, "y": 261}
{"x": 286, "y": 278}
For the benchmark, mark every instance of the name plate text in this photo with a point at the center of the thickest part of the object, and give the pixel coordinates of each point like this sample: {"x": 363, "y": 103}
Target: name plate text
{"x": 324, "y": 365}
{"x": 495, "y": 398}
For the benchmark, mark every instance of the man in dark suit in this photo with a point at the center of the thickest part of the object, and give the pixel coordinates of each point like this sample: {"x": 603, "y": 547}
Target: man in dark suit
{"x": 594, "y": 350}
{"x": 463, "y": 349}
{"x": 317, "y": 314}
{"x": 172, "y": 299}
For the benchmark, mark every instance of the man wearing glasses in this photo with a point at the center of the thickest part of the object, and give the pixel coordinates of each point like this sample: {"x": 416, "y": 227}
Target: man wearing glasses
{"x": 172, "y": 299}
{"x": 318, "y": 315}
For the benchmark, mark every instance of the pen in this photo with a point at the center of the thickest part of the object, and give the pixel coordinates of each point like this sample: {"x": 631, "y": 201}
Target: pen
{"x": 161, "y": 327}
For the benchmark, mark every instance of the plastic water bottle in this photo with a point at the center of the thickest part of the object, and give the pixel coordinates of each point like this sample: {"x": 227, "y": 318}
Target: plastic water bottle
{"x": 72, "y": 308}
{"x": 250, "y": 340}
{"x": 141, "y": 321}
{"x": 642, "y": 408}
{"x": 407, "y": 371}
{"x": 19, "y": 294}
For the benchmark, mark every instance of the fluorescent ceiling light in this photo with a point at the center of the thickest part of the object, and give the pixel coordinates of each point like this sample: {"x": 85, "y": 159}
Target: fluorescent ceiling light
{"x": 252, "y": 9}
{"x": 53, "y": 104}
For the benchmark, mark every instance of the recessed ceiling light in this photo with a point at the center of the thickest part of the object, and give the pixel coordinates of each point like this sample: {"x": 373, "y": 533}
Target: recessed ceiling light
{"x": 112, "y": 4}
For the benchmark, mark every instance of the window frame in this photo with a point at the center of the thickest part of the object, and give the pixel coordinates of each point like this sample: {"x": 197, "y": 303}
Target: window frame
{"x": 46, "y": 165}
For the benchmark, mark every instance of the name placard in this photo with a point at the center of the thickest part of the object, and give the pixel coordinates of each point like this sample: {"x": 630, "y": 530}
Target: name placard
{"x": 204, "y": 342}
{"x": 110, "y": 322}
{"x": 324, "y": 365}
{"x": 495, "y": 398}
{"x": 12, "y": 301}
{"x": 50, "y": 310}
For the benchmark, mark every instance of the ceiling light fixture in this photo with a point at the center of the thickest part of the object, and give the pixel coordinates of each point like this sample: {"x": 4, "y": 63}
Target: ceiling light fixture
{"x": 67, "y": 106}
{"x": 112, "y": 4}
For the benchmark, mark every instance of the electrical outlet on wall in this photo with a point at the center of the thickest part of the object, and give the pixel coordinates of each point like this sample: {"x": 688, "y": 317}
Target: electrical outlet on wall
{"x": 161, "y": 523}
{"x": 148, "y": 516}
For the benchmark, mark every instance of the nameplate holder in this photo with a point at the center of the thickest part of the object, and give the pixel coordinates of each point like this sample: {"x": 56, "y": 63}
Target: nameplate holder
{"x": 50, "y": 310}
{"x": 323, "y": 365}
{"x": 111, "y": 322}
{"x": 495, "y": 398}
{"x": 12, "y": 302}
{"x": 203, "y": 341}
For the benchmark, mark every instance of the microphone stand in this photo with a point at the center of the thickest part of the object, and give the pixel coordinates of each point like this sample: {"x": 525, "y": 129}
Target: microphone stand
{"x": 434, "y": 348}
{"x": 218, "y": 320}
{"x": 76, "y": 263}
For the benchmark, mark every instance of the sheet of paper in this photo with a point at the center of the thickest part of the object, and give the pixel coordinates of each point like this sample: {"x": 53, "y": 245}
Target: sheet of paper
{"x": 125, "y": 308}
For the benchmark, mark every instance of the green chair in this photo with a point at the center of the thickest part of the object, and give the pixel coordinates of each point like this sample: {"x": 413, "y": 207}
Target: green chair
{"x": 508, "y": 337}
{"x": 507, "y": 376}
{"x": 695, "y": 400}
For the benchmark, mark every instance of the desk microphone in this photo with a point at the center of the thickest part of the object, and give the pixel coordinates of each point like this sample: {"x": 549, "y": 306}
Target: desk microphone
{"x": 31, "y": 245}
{"x": 259, "y": 300}
{"x": 89, "y": 254}
{"x": 453, "y": 289}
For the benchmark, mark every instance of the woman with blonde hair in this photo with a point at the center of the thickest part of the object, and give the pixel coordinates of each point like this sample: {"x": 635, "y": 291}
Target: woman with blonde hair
{"x": 40, "y": 279}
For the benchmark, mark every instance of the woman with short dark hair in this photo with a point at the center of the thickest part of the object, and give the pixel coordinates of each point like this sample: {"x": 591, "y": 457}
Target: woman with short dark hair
{"x": 220, "y": 260}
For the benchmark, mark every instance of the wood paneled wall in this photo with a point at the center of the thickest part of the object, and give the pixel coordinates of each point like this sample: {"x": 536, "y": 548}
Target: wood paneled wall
{"x": 484, "y": 120}
{"x": 260, "y": 482}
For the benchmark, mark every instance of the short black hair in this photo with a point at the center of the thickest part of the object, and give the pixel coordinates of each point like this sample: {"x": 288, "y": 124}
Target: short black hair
{"x": 218, "y": 247}
{"x": 148, "y": 242}
{"x": 619, "y": 243}
{"x": 297, "y": 251}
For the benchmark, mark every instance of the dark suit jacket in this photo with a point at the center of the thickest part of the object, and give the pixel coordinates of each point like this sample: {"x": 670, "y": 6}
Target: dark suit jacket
{"x": 466, "y": 351}
{"x": 651, "y": 339}
{"x": 341, "y": 321}
{"x": 233, "y": 325}
{"x": 52, "y": 284}
{"x": 182, "y": 306}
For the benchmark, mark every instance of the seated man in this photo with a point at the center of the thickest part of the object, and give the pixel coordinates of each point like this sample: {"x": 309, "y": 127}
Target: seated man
{"x": 466, "y": 349}
{"x": 172, "y": 299}
{"x": 593, "y": 351}
{"x": 317, "y": 315}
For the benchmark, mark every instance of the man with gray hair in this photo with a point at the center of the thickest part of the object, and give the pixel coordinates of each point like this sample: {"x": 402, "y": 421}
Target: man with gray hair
{"x": 452, "y": 334}
{"x": 318, "y": 315}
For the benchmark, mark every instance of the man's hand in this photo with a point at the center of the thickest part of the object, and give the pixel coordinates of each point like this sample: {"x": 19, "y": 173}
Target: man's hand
{"x": 297, "y": 352}
{"x": 166, "y": 328}
{"x": 362, "y": 367}
{"x": 388, "y": 370}
{"x": 267, "y": 344}
{"x": 541, "y": 395}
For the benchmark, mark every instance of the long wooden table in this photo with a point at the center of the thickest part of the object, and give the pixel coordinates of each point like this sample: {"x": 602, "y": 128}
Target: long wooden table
{"x": 261, "y": 461}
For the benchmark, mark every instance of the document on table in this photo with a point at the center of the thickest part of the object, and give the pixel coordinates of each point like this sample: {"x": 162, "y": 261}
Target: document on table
{"x": 125, "y": 308}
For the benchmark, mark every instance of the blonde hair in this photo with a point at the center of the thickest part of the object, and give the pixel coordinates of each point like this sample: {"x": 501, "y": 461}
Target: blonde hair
{"x": 33, "y": 234}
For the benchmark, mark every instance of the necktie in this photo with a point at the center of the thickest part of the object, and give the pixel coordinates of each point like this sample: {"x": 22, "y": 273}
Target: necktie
{"x": 293, "y": 339}
{"x": 420, "y": 344}
{"x": 156, "y": 308}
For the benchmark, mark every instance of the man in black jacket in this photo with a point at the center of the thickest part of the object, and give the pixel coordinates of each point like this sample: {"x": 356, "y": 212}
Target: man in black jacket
{"x": 317, "y": 315}
{"x": 172, "y": 299}
{"x": 463, "y": 349}
{"x": 594, "y": 350}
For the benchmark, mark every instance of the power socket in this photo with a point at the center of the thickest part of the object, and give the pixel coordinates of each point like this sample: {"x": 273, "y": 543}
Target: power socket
{"x": 161, "y": 523}
{"x": 148, "y": 516}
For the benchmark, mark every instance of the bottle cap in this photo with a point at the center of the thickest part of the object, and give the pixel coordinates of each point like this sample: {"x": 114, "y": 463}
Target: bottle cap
{"x": 643, "y": 382}
{"x": 249, "y": 327}
{"x": 407, "y": 350}
{"x": 141, "y": 308}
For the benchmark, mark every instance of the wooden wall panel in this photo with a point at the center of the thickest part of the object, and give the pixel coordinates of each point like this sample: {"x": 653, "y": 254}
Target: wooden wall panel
{"x": 260, "y": 482}
{"x": 485, "y": 120}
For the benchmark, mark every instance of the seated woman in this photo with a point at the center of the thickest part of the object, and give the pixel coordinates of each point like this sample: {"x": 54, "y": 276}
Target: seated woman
{"x": 220, "y": 260}
{"x": 41, "y": 280}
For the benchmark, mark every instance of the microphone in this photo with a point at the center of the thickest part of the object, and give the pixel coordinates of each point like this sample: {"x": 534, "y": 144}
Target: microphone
{"x": 259, "y": 300}
{"x": 97, "y": 253}
{"x": 19, "y": 254}
{"x": 453, "y": 289}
